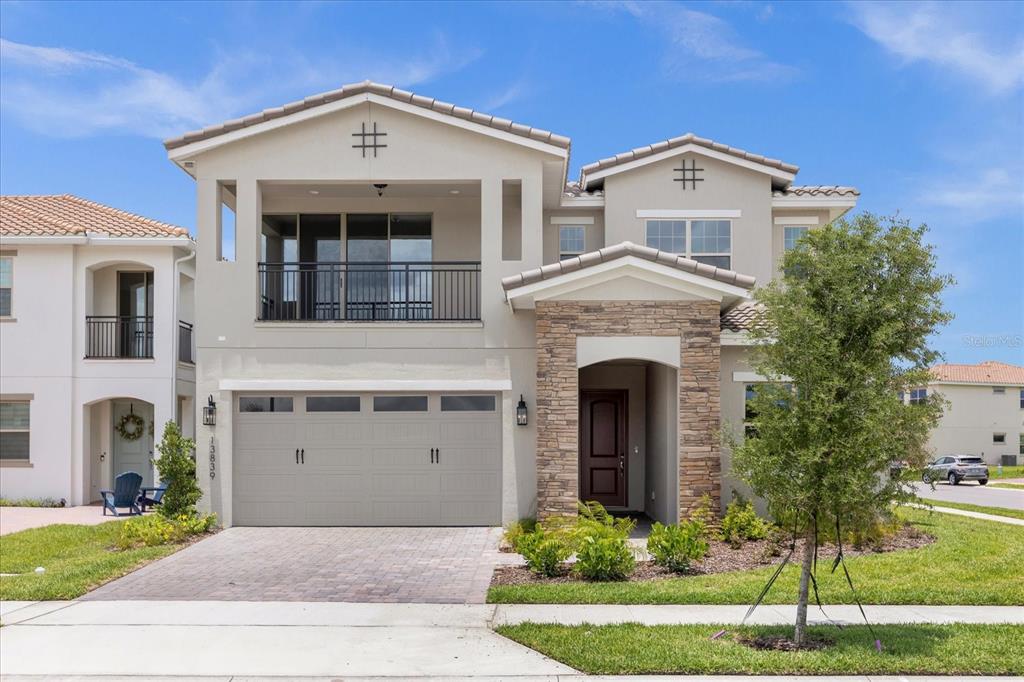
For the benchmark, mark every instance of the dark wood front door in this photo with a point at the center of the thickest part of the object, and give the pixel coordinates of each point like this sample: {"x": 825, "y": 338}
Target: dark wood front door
{"x": 603, "y": 447}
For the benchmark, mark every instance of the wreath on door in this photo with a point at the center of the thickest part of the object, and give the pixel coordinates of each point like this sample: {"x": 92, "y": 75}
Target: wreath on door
{"x": 131, "y": 426}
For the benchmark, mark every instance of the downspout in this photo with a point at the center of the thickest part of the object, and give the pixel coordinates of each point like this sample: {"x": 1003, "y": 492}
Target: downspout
{"x": 176, "y": 284}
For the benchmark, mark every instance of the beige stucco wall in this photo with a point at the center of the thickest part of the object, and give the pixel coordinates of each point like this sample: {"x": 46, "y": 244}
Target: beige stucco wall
{"x": 734, "y": 359}
{"x": 661, "y": 463}
{"x": 593, "y": 234}
{"x": 778, "y": 231}
{"x": 725, "y": 187}
{"x": 973, "y": 415}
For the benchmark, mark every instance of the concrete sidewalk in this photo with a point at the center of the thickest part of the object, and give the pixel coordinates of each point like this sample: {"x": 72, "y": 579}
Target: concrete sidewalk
{"x": 14, "y": 519}
{"x": 329, "y": 639}
{"x": 972, "y": 514}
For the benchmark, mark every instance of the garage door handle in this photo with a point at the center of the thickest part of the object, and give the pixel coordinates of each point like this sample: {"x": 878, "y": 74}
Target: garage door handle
{"x": 296, "y": 455}
{"x": 303, "y": 455}
{"x": 439, "y": 455}
{"x": 431, "y": 455}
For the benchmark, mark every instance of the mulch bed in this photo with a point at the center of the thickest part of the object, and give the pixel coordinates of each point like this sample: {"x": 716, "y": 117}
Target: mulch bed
{"x": 722, "y": 558}
{"x": 783, "y": 643}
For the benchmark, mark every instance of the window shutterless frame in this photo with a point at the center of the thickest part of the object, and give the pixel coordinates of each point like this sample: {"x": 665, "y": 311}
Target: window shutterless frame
{"x": 571, "y": 241}
{"x": 705, "y": 241}
{"x": 6, "y": 286}
{"x": 15, "y": 430}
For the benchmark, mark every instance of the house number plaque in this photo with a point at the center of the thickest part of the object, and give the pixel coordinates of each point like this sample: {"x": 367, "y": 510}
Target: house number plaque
{"x": 213, "y": 459}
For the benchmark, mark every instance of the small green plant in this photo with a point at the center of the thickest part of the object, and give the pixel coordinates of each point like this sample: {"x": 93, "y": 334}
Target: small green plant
{"x": 741, "y": 523}
{"x": 604, "y": 558}
{"x": 515, "y": 531}
{"x": 706, "y": 514}
{"x": 676, "y": 547}
{"x": 32, "y": 502}
{"x": 544, "y": 551}
{"x": 154, "y": 530}
{"x": 178, "y": 472}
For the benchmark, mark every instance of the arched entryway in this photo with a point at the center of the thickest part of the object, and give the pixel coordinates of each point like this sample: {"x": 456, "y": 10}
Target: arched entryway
{"x": 120, "y": 437}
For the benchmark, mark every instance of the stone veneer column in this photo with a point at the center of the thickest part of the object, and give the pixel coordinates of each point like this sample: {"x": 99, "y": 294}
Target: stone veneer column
{"x": 558, "y": 325}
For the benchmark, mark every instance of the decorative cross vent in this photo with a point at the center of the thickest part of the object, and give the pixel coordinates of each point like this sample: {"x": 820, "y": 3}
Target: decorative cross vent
{"x": 689, "y": 175}
{"x": 373, "y": 143}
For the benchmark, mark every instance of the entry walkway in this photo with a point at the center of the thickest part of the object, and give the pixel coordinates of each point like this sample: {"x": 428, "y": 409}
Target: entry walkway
{"x": 324, "y": 640}
{"x": 14, "y": 519}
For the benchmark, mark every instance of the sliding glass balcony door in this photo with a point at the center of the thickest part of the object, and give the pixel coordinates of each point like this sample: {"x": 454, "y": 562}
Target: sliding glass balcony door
{"x": 390, "y": 276}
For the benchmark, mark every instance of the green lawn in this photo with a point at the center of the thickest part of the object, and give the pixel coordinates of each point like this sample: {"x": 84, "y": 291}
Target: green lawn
{"x": 971, "y": 562}
{"x": 1011, "y": 486}
{"x": 688, "y": 649}
{"x": 1008, "y": 472}
{"x": 76, "y": 558}
{"x": 997, "y": 511}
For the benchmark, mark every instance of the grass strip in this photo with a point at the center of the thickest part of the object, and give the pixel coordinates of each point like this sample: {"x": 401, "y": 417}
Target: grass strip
{"x": 630, "y": 648}
{"x": 972, "y": 561}
{"x": 995, "y": 511}
{"x": 76, "y": 558}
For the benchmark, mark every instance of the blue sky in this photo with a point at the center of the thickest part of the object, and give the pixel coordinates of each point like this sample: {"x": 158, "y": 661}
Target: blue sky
{"x": 921, "y": 106}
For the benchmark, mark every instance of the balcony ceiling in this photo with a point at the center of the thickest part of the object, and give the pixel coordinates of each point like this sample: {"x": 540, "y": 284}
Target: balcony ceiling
{"x": 366, "y": 190}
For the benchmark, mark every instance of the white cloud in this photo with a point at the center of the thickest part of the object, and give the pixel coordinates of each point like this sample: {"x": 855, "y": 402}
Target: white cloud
{"x": 991, "y": 193}
{"x": 72, "y": 93}
{"x": 945, "y": 36}
{"x": 702, "y": 46}
{"x": 513, "y": 92}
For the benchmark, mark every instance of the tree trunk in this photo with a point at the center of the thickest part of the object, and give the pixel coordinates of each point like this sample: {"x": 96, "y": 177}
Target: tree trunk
{"x": 800, "y": 635}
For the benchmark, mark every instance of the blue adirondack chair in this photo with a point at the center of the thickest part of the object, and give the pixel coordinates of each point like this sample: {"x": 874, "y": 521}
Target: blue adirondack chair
{"x": 124, "y": 494}
{"x": 150, "y": 497}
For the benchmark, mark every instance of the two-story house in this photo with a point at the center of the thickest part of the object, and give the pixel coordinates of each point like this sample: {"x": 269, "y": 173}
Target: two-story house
{"x": 408, "y": 316}
{"x": 96, "y": 349}
{"x": 984, "y": 412}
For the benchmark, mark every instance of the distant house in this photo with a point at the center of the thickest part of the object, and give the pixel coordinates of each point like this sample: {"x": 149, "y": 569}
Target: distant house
{"x": 96, "y": 348}
{"x": 985, "y": 411}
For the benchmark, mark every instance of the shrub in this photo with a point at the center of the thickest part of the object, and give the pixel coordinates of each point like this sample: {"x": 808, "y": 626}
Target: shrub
{"x": 594, "y": 521}
{"x": 706, "y": 515}
{"x": 515, "y": 531}
{"x": 544, "y": 551}
{"x": 33, "y": 502}
{"x": 153, "y": 530}
{"x": 178, "y": 472}
{"x": 676, "y": 547}
{"x": 741, "y": 523}
{"x": 604, "y": 558}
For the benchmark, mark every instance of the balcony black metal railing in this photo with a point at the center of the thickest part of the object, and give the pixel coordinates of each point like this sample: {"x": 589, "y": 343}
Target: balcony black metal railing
{"x": 186, "y": 352}
{"x": 118, "y": 336}
{"x": 437, "y": 291}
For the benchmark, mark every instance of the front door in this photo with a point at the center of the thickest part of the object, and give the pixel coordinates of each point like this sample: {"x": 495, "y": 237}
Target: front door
{"x": 603, "y": 447}
{"x": 133, "y": 454}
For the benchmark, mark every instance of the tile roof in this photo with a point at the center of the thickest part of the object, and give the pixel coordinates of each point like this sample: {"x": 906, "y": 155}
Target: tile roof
{"x": 573, "y": 189}
{"x": 688, "y": 138}
{"x": 989, "y": 372}
{"x": 353, "y": 89}
{"x": 743, "y": 317}
{"x": 817, "y": 191}
{"x": 63, "y": 215}
{"x": 622, "y": 250}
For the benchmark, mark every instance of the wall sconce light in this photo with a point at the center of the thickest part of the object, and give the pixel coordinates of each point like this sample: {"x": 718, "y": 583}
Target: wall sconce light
{"x": 210, "y": 412}
{"x": 521, "y": 411}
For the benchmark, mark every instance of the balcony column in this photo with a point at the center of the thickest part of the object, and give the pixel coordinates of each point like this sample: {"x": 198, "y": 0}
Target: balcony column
{"x": 533, "y": 220}
{"x": 492, "y": 297}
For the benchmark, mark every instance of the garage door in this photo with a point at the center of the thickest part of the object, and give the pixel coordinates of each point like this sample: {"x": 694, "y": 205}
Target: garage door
{"x": 367, "y": 460}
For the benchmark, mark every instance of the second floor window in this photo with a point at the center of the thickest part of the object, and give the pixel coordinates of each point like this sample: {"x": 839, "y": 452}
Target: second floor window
{"x": 791, "y": 235}
{"x": 918, "y": 396}
{"x": 571, "y": 241}
{"x": 6, "y": 285}
{"x": 705, "y": 241}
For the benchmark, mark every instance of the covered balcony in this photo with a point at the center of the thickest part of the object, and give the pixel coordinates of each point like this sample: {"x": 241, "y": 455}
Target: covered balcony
{"x": 363, "y": 253}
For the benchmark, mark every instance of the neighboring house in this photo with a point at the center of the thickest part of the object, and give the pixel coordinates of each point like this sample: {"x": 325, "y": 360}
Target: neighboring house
{"x": 985, "y": 411}
{"x": 95, "y": 327}
{"x": 383, "y": 275}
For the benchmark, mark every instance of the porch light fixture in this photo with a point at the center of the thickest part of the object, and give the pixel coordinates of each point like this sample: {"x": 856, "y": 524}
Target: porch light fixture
{"x": 380, "y": 187}
{"x": 210, "y": 412}
{"x": 521, "y": 412}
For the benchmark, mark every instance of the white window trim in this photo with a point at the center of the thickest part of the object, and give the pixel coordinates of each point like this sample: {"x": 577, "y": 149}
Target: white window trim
{"x": 798, "y": 220}
{"x": 688, "y": 239}
{"x": 572, "y": 220}
{"x": 671, "y": 213}
{"x": 571, "y": 253}
{"x": 784, "y": 227}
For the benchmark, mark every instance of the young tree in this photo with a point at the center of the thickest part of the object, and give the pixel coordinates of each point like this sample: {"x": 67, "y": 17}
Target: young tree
{"x": 846, "y": 331}
{"x": 178, "y": 471}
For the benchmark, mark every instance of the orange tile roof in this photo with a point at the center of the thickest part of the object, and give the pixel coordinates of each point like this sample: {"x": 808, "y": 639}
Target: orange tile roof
{"x": 989, "y": 372}
{"x": 64, "y": 215}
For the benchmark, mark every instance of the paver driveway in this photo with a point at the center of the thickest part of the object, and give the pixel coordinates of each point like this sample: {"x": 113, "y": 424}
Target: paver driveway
{"x": 434, "y": 565}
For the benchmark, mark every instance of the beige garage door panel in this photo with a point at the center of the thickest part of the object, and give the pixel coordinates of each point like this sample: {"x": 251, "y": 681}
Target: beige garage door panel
{"x": 366, "y": 467}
